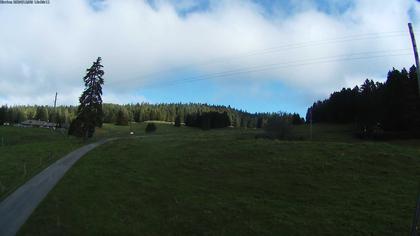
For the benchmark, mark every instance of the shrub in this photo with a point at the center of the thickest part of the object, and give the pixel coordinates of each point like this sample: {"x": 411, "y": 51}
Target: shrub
{"x": 178, "y": 121}
{"x": 151, "y": 127}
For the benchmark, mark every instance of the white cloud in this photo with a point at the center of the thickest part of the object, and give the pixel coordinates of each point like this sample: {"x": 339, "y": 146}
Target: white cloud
{"x": 47, "y": 48}
{"x": 124, "y": 98}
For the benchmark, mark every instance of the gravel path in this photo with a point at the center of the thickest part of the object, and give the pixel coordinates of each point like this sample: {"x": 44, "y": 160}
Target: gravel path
{"x": 17, "y": 207}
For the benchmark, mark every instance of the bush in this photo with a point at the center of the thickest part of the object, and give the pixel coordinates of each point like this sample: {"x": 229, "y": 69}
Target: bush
{"x": 178, "y": 121}
{"x": 151, "y": 127}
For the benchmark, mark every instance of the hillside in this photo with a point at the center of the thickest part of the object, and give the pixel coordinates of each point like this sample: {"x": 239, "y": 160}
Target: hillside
{"x": 223, "y": 182}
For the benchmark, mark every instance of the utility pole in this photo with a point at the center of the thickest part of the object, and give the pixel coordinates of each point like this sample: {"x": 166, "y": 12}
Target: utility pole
{"x": 416, "y": 54}
{"x": 416, "y": 218}
{"x": 55, "y": 100}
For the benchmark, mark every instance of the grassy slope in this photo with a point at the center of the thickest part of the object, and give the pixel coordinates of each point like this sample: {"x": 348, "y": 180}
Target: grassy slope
{"x": 36, "y": 148}
{"x": 191, "y": 182}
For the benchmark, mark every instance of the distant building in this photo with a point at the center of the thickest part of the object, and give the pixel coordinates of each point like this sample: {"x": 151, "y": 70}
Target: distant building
{"x": 38, "y": 123}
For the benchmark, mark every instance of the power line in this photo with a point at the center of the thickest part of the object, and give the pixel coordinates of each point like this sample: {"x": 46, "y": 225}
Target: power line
{"x": 275, "y": 66}
{"x": 297, "y": 65}
{"x": 283, "y": 48}
{"x": 319, "y": 58}
{"x": 329, "y": 41}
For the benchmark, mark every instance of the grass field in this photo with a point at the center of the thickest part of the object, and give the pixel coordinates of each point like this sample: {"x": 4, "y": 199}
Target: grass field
{"x": 184, "y": 181}
{"x": 26, "y": 151}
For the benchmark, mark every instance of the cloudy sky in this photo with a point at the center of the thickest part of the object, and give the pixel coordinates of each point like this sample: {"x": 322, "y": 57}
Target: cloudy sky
{"x": 256, "y": 55}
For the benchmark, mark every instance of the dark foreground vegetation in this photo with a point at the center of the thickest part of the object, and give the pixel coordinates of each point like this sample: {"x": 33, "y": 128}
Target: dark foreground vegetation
{"x": 381, "y": 110}
{"x": 185, "y": 181}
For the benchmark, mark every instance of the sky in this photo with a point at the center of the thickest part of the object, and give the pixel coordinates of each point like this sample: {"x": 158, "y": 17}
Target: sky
{"x": 255, "y": 55}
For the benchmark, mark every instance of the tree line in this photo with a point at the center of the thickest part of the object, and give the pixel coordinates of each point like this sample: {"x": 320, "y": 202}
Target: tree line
{"x": 139, "y": 112}
{"x": 208, "y": 120}
{"x": 17, "y": 114}
{"x": 186, "y": 113}
{"x": 392, "y": 106}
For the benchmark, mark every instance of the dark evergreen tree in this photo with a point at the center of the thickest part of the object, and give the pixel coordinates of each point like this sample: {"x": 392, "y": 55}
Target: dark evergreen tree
{"x": 3, "y": 115}
{"x": 260, "y": 123}
{"x": 208, "y": 120}
{"x": 89, "y": 112}
{"x": 297, "y": 120}
{"x": 122, "y": 117}
{"x": 42, "y": 113}
{"x": 392, "y": 107}
{"x": 20, "y": 116}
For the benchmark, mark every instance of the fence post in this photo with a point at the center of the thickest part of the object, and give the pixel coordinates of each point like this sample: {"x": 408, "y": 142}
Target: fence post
{"x": 24, "y": 169}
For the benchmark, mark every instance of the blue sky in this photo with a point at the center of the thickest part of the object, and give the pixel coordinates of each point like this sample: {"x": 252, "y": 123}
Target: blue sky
{"x": 271, "y": 7}
{"x": 267, "y": 96}
{"x": 285, "y": 54}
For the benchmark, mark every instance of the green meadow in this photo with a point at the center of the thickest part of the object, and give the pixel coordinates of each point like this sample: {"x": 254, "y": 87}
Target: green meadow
{"x": 185, "y": 181}
{"x": 26, "y": 151}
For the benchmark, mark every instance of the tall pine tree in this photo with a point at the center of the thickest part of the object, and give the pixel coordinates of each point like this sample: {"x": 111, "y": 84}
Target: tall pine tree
{"x": 89, "y": 112}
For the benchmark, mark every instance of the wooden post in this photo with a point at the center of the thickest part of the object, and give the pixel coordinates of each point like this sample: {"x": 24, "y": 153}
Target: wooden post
{"x": 416, "y": 54}
{"x": 311, "y": 123}
{"x": 24, "y": 169}
{"x": 416, "y": 218}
